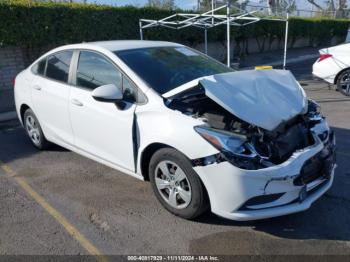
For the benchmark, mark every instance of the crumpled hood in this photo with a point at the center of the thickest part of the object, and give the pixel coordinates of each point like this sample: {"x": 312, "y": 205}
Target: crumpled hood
{"x": 264, "y": 98}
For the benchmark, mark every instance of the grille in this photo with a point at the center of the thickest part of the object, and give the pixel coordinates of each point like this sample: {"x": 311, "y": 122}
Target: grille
{"x": 312, "y": 169}
{"x": 319, "y": 165}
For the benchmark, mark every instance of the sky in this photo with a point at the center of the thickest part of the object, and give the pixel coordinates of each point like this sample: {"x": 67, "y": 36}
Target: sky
{"x": 185, "y": 4}
{"x": 190, "y": 4}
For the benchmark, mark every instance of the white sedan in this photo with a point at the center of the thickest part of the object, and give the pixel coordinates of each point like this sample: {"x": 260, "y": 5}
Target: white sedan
{"x": 248, "y": 144}
{"x": 333, "y": 66}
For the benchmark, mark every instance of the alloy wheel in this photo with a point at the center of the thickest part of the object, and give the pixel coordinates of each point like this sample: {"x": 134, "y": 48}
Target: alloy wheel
{"x": 173, "y": 184}
{"x": 344, "y": 83}
{"x": 33, "y": 130}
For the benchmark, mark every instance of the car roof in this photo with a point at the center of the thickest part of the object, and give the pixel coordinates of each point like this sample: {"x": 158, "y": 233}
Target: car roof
{"x": 117, "y": 45}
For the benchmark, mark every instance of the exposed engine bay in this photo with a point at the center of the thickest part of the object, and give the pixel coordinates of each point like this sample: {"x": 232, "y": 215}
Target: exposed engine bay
{"x": 262, "y": 147}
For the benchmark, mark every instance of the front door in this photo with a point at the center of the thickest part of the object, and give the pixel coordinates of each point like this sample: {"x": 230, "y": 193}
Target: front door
{"x": 102, "y": 129}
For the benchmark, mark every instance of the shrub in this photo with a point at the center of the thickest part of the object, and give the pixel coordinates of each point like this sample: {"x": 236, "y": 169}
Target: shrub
{"x": 27, "y": 24}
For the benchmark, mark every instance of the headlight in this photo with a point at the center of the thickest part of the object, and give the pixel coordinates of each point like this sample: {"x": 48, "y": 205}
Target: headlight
{"x": 221, "y": 140}
{"x": 234, "y": 147}
{"x": 314, "y": 111}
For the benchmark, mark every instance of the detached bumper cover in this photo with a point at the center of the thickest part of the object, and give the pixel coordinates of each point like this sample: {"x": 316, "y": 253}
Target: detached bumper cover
{"x": 282, "y": 189}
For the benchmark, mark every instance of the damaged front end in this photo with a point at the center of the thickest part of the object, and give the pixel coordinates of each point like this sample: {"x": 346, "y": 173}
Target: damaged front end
{"x": 244, "y": 144}
{"x": 273, "y": 142}
{"x": 277, "y": 164}
{"x": 248, "y": 146}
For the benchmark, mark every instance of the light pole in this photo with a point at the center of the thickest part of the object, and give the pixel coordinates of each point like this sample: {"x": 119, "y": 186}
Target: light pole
{"x": 228, "y": 32}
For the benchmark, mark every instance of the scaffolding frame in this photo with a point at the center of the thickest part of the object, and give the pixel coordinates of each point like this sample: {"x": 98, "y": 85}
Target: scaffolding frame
{"x": 212, "y": 19}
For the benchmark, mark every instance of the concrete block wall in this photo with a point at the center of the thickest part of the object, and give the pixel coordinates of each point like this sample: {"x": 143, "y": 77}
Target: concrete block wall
{"x": 217, "y": 50}
{"x": 11, "y": 63}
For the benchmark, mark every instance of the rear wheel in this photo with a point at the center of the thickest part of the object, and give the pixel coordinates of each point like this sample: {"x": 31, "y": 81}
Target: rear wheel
{"x": 343, "y": 82}
{"x": 34, "y": 130}
{"x": 176, "y": 185}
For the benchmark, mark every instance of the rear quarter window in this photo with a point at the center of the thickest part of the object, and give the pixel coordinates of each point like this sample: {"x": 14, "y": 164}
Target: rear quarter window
{"x": 40, "y": 67}
{"x": 58, "y": 66}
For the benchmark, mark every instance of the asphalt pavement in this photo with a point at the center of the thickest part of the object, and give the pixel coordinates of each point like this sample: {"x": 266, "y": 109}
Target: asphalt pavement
{"x": 118, "y": 214}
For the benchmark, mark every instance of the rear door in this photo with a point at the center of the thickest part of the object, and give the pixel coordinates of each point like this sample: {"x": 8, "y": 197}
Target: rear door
{"x": 50, "y": 96}
{"x": 104, "y": 130}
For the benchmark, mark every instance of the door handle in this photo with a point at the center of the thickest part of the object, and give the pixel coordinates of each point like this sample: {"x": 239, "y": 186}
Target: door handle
{"x": 37, "y": 88}
{"x": 76, "y": 102}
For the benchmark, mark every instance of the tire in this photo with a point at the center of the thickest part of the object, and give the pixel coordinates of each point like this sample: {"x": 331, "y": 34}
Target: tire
{"x": 189, "y": 197}
{"x": 34, "y": 131}
{"x": 343, "y": 83}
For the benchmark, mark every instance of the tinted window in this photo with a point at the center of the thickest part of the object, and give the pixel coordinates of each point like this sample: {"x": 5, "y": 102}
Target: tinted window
{"x": 129, "y": 90}
{"x": 39, "y": 68}
{"x": 58, "y": 66}
{"x": 165, "y": 68}
{"x": 94, "y": 70}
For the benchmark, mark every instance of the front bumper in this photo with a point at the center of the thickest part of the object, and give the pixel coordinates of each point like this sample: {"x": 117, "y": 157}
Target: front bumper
{"x": 281, "y": 189}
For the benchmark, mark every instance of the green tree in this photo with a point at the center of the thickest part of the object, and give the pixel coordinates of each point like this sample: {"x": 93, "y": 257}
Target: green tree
{"x": 162, "y": 4}
{"x": 277, "y": 6}
{"x": 206, "y": 5}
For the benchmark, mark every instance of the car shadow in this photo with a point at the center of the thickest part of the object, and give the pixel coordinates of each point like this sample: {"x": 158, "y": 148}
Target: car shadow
{"x": 15, "y": 144}
{"x": 57, "y": 148}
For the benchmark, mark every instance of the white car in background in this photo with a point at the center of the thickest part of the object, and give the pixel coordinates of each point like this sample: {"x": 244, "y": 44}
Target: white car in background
{"x": 333, "y": 66}
{"x": 248, "y": 144}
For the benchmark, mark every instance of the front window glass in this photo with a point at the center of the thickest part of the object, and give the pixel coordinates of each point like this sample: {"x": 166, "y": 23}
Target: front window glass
{"x": 58, "y": 66}
{"x": 165, "y": 68}
{"x": 94, "y": 70}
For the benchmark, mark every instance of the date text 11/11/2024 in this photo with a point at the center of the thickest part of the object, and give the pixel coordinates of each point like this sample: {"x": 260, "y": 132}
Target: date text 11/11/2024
{"x": 173, "y": 258}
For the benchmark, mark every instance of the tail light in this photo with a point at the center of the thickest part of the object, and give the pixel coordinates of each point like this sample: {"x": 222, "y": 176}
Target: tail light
{"x": 14, "y": 82}
{"x": 324, "y": 56}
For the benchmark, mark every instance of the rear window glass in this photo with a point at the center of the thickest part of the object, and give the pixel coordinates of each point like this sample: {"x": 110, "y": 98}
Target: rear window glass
{"x": 58, "y": 66}
{"x": 39, "y": 68}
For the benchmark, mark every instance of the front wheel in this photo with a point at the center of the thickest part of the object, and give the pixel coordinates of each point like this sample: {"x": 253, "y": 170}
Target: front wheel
{"x": 343, "y": 82}
{"x": 176, "y": 185}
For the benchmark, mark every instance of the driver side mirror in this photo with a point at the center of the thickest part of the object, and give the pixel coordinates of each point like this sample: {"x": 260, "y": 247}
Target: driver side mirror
{"x": 108, "y": 93}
